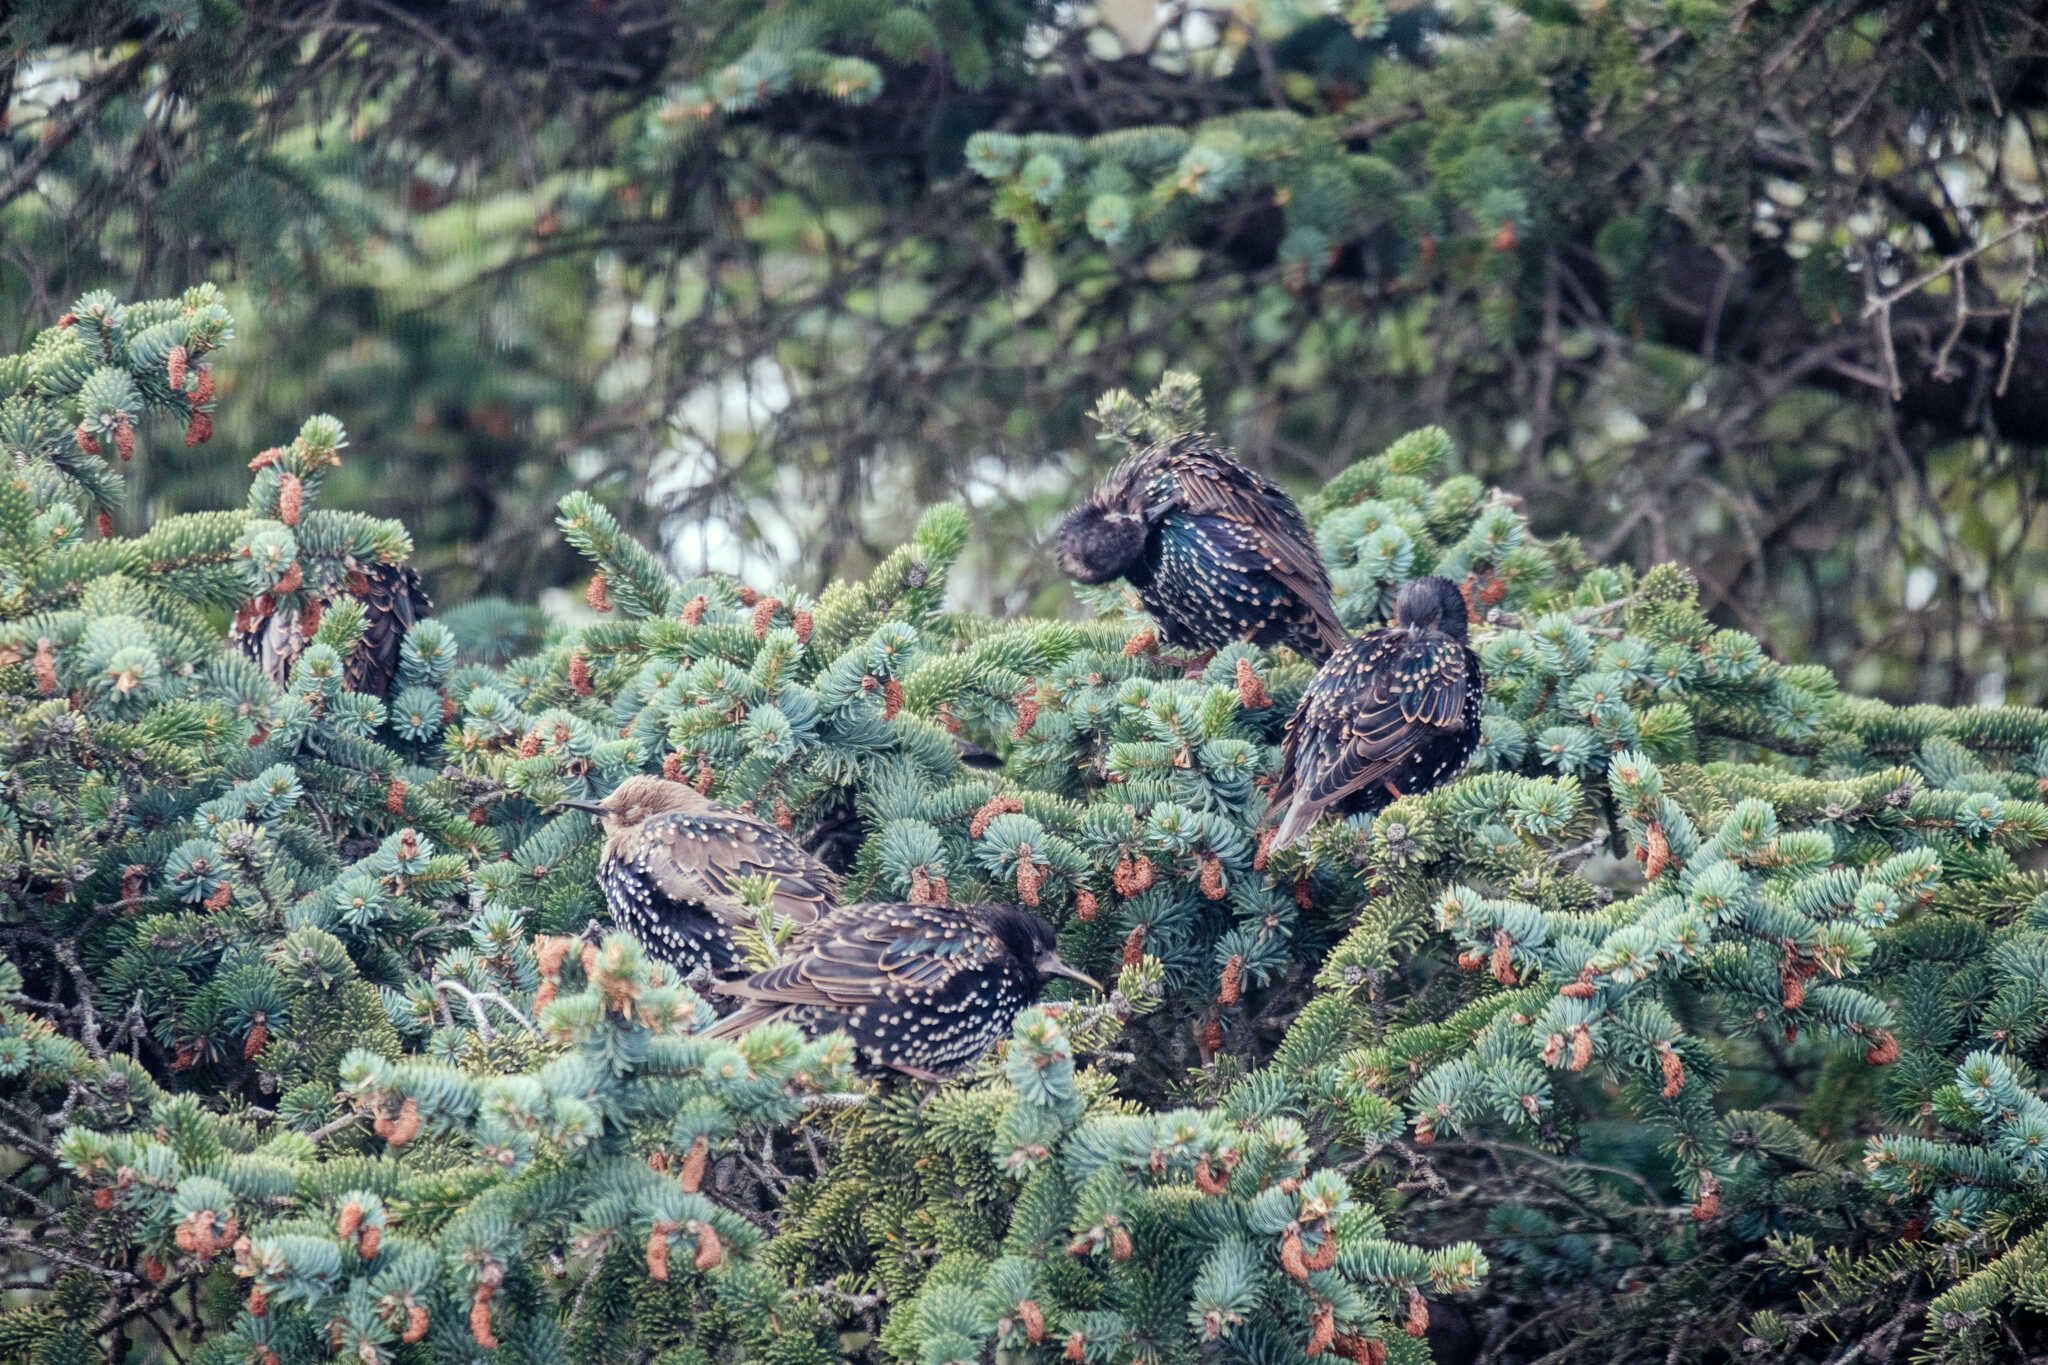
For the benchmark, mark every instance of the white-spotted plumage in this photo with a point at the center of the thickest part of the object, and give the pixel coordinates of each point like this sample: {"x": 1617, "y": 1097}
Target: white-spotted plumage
{"x": 950, "y": 980}
{"x": 1394, "y": 713}
{"x": 672, "y": 866}
{"x": 1217, "y": 552}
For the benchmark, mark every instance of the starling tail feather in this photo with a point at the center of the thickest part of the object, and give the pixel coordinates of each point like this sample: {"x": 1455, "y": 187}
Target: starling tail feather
{"x": 1392, "y": 714}
{"x": 1217, "y": 553}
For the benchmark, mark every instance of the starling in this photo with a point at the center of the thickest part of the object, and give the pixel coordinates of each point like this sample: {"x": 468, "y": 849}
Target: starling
{"x": 920, "y": 989}
{"x": 1216, "y": 552}
{"x": 673, "y": 860}
{"x": 1396, "y": 712}
{"x": 393, "y": 602}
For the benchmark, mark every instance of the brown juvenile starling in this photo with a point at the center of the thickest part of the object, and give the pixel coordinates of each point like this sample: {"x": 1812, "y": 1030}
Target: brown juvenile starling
{"x": 1396, "y": 712}
{"x": 920, "y": 989}
{"x": 393, "y": 602}
{"x": 673, "y": 860}
{"x": 1216, "y": 552}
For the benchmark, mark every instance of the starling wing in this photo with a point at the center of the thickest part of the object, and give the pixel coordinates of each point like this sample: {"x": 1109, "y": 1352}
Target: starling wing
{"x": 1392, "y": 707}
{"x": 919, "y": 988}
{"x": 1214, "y": 485}
{"x": 393, "y": 602}
{"x": 675, "y": 881}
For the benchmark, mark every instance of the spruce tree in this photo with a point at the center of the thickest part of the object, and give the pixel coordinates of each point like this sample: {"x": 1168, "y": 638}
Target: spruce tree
{"x": 1708, "y": 991}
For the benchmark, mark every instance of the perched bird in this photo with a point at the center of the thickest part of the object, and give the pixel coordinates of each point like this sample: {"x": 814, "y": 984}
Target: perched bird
{"x": 673, "y": 860}
{"x": 393, "y": 602}
{"x": 1216, "y": 552}
{"x": 920, "y": 989}
{"x": 1396, "y": 712}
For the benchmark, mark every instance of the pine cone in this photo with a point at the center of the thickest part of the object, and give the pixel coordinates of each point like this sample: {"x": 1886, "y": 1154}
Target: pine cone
{"x": 1251, "y": 692}
{"x": 694, "y": 1163}
{"x": 1232, "y": 988}
{"x": 710, "y": 1251}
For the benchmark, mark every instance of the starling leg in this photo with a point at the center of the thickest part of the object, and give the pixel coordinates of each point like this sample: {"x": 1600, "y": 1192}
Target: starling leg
{"x": 1198, "y": 662}
{"x": 918, "y": 1073}
{"x": 1398, "y": 793}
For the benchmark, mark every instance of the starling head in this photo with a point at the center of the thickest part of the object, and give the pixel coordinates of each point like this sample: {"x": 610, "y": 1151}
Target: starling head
{"x": 639, "y": 799}
{"x": 1432, "y": 604}
{"x": 1031, "y": 941}
{"x": 1098, "y": 542}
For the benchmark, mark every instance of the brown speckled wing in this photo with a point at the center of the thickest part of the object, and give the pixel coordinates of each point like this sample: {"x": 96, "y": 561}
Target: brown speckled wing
{"x": 1368, "y": 709}
{"x": 393, "y": 602}
{"x": 859, "y": 952}
{"x": 1213, "y": 484}
{"x": 700, "y": 859}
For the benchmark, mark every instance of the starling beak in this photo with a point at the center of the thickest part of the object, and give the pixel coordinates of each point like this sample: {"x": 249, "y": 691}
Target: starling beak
{"x": 1053, "y": 964}
{"x": 1392, "y": 714}
{"x": 1217, "y": 553}
{"x": 922, "y": 990}
{"x": 672, "y": 866}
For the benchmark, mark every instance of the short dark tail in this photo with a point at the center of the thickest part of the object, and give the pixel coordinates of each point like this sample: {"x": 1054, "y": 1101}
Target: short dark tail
{"x": 1298, "y": 819}
{"x": 746, "y": 1019}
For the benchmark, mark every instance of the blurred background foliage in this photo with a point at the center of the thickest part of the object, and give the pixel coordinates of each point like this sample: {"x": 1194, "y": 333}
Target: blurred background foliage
{"x": 1752, "y": 284}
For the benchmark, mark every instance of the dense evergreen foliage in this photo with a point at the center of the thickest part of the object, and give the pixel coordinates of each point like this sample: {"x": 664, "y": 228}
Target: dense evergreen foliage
{"x": 1750, "y": 284}
{"x": 1702, "y": 1016}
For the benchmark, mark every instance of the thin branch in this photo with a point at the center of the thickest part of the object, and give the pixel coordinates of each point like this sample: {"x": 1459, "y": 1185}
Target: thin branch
{"x": 1881, "y": 303}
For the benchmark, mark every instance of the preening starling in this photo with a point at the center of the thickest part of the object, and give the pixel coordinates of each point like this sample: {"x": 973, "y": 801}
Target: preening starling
{"x": 1216, "y": 552}
{"x": 393, "y": 602}
{"x": 1394, "y": 713}
{"x": 920, "y": 989}
{"x": 673, "y": 860}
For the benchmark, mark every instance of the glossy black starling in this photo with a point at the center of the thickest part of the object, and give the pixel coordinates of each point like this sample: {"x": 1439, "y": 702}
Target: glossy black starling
{"x": 1216, "y": 552}
{"x": 673, "y": 860}
{"x": 393, "y": 602}
{"x": 920, "y": 989}
{"x": 1396, "y": 712}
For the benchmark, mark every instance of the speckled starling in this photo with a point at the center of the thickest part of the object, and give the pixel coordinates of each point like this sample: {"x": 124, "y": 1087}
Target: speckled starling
{"x": 673, "y": 860}
{"x": 393, "y": 602}
{"x": 1216, "y": 552}
{"x": 920, "y": 989}
{"x": 1394, "y": 713}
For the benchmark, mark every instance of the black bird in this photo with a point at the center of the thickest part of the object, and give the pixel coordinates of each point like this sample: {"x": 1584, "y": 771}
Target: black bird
{"x": 1216, "y": 552}
{"x": 1396, "y": 712}
{"x": 673, "y": 859}
{"x": 920, "y": 989}
{"x": 393, "y": 602}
